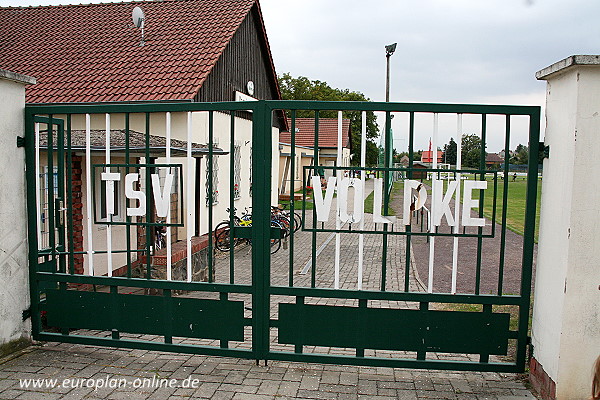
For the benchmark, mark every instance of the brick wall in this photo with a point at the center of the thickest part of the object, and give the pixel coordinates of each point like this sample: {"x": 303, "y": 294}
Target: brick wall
{"x": 540, "y": 381}
{"x": 77, "y": 212}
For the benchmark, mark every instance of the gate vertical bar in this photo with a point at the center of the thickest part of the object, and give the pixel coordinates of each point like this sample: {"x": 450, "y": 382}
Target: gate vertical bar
{"x": 211, "y": 193}
{"x": 38, "y": 191}
{"x": 50, "y": 187}
{"x": 313, "y": 270}
{"x": 292, "y": 199}
{"x": 32, "y": 221}
{"x": 434, "y": 162}
{"x": 407, "y": 224}
{"x": 60, "y": 161}
{"x": 149, "y": 210}
{"x": 168, "y": 244}
{"x": 504, "y": 207}
{"x": 71, "y": 222}
{"x": 127, "y": 217}
{"x": 528, "y": 236}
{"x": 481, "y": 199}
{"x": 457, "y": 201}
{"x": 88, "y": 192}
{"x": 190, "y": 220}
{"x": 108, "y": 215}
{"x": 261, "y": 228}
{"x": 338, "y": 225}
{"x": 363, "y": 158}
{"x": 231, "y": 199}
{"x": 386, "y": 195}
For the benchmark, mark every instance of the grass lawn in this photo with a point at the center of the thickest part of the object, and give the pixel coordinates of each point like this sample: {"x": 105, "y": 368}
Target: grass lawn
{"x": 516, "y": 200}
{"x": 397, "y": 190}
{"x": 515, "y": 205}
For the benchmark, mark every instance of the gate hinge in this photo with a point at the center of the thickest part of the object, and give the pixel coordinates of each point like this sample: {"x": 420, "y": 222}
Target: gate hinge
{"x": 544, "y": 150}
{"x": 26, "y": 313}
{"x": 20, "y": 141}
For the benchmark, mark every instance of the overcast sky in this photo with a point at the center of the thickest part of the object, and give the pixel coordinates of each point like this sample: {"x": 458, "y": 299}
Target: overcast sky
{"x": 458, "y": 51}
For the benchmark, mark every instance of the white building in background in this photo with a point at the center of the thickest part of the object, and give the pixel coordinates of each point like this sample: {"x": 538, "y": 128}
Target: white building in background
{"x": 223, "y": 58}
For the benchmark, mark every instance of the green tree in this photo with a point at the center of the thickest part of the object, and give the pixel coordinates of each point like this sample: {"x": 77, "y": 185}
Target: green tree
{"x": 302, "y": 88}
{"x": 471, "y": 151}
{"x": 417, "y": 155}
{"x": 450, "y": 149}
{"x": 520, "y": 155}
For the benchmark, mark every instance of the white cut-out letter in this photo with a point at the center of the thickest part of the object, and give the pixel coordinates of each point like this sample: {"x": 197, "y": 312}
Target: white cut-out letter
{"x": 132, "y": 194}
{"x": 469, "y": 203}
{"x": 409, "y": 185}
{"x": 441, "y": 207}
{"x": 378, "y": 203}
{"x": 323, "y": 206}
{"x": 161, "y": 200}
{"x": 359, "y": 205}
{"x": 110, "y": 178}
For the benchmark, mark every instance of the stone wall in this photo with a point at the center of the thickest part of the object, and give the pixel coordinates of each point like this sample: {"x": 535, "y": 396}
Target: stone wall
{"x": 14, "y": 269}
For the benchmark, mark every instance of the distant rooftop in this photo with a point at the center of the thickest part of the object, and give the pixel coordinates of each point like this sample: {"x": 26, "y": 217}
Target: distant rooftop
{"x": 328, "y": 133}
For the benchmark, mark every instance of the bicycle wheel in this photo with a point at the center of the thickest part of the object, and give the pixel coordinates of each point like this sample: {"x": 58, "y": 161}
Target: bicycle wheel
{"x": 222, "y": 240}
{"x": 297, "y": 221}
{"x": 275, "y": 243}
{"x": 284, "y": 222}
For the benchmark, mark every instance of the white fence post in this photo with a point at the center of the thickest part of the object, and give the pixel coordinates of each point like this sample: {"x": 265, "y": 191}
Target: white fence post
{"x": 14, "y": 278}
{"x": 566, "y": 315}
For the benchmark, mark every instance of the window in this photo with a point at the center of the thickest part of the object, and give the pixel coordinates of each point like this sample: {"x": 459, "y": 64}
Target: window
{"x": 48, "y": 192}
{"x": 237, "y": 170}
{"x": 215, "y": 180}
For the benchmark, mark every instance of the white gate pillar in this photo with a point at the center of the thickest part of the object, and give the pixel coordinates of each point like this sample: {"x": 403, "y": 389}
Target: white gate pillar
{"x": 14, "y": 269}
{"x": 566, "y": 314}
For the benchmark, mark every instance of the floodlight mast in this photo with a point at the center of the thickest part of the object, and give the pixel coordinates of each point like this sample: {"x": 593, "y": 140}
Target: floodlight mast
{"x": 389, "y": 50}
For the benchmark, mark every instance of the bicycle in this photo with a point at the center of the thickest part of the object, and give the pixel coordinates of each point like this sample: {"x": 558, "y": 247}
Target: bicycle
{"x": 160, "y": 236}
{"x": 286, "y": 213}
{"x": 223, "y": 233}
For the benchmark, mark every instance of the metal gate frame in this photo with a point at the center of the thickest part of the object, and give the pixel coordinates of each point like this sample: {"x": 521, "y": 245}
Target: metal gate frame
{"x": 52, "y": 276}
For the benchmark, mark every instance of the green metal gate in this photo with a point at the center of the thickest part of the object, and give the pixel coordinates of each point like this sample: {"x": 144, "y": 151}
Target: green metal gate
{"x": 125, "y": 203}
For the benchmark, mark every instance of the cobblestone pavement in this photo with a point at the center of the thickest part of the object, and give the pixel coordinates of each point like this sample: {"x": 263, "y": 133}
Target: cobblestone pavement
{"x": 87, "y": 372}
{"x": 227, "y": 378}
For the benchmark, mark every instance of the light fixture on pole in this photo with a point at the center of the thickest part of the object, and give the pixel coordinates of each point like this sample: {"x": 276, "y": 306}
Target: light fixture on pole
{"x": 389, "y": 50}
{"x": 386, "y": 155}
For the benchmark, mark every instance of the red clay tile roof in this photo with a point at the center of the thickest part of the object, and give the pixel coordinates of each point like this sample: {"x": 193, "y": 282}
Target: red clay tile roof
{"x": 328, "y": 132}
{"x": 427, "y": 156}
{"x": 493, "y": 158}
{"x": 91, "y": 53}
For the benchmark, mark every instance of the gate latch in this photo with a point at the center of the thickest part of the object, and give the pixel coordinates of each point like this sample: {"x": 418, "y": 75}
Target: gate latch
{"x": 20, "y": 141}
{"x": 60, "y": 212}
{"x": 544, "y": 150}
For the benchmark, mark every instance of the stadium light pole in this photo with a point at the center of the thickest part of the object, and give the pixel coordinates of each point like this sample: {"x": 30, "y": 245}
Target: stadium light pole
{"x": 389, "y": 50}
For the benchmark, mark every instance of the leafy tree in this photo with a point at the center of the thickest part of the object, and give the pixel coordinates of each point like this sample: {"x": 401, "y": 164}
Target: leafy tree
{"x": 302, "y": 88}
{"x": 417, "y": 155}
{"x": 471, "y": 151}
{"x": 450, "y": 149}
{"x": 520, "y": 155}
